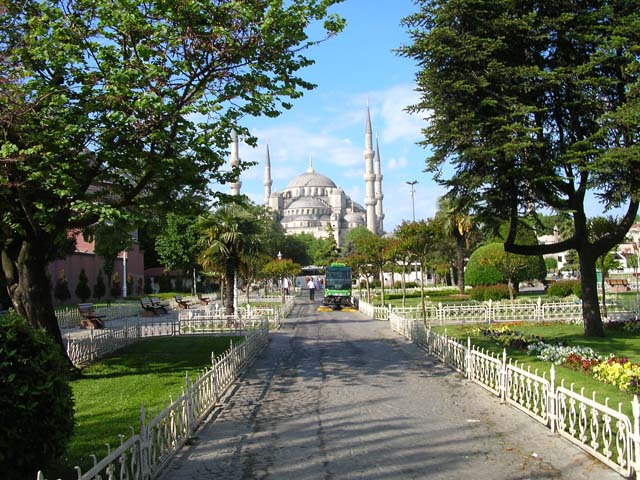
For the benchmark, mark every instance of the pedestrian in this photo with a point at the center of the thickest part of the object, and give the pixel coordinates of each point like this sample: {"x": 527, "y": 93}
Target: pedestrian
{"x": 285, "y": 286}
{"x": 312, "y": 289}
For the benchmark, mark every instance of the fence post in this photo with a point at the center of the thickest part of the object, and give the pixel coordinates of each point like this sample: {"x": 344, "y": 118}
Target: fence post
{"x": 489, "y": 305}
{"x": 187, "y": 397}
{"x": 503, "y": 376}
{"x": 539, "y": 309}
{"x": 468, "y": 358}
{"x": 551, "y": 401}
{"x": 144, "y": 446}
{"x": 440, "y": 313}
{"x": 636, "y": 433}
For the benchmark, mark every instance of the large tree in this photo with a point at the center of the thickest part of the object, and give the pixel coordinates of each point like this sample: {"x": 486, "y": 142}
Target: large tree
{"x": 177, "y": 244}
{"x": 109, "y": 109}
{"x": 534, "y": 104}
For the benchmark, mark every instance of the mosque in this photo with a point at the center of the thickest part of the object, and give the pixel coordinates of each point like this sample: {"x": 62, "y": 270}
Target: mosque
{"x": 313, "y": 203}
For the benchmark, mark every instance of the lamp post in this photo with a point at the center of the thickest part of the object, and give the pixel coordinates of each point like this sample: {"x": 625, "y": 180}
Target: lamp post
{"x": 281, "y": 282}
{"x": 412, "y": 183}
{"x": 124, "y": 274}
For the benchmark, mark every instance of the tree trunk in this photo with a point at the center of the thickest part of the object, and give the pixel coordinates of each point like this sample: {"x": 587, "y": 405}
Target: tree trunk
{"x": 404, "y": 285}
{"x": 604, "y": 290}
{"x": 590, "y": 308}
{"x": 29, "y": 288}
{"x": 228, "y": 290}
{"x": 381, "y": 276}
{"x": 460, "y": 250}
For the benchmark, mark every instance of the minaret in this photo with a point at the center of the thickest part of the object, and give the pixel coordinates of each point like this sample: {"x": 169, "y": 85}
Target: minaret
{"x": 267, "y": 178}
{"x": 235, "y": 162}
{"x": 378, "y": 189}
{"x": 369, "y": 176}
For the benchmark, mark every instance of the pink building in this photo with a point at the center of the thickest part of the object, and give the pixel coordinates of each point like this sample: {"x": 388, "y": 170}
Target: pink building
{"x": 85, "y": 257}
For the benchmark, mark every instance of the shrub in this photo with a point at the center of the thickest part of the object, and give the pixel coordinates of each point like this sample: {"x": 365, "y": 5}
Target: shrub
{"x": 99, "y": 289}
{"x": 61, "y": 290}
{"x": 83, "y": 292}
{"x": 491, "y": 292}
{"x": 36, "y": 403}
{"x": 564, "y": 288}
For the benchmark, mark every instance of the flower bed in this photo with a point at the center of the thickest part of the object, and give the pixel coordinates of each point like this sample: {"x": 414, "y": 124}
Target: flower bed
{"x": 510, "y": 338}
{"x": 617, "y": 371}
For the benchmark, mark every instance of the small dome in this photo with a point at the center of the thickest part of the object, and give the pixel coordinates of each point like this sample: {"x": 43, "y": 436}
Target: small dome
{"x": 306, "y": 202}
{"x": 353, "y": 217}
{"x": 312, "y": 179}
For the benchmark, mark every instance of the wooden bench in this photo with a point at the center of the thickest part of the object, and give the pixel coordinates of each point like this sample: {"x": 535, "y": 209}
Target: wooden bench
{"x": 88, "y": 316}
{"x": 203, "y": 301}
{"x": 149, "y": 306}
{"x": 618, "y": 284}
{"x": 181, "y": 302}
{"x": 159, "y": 304}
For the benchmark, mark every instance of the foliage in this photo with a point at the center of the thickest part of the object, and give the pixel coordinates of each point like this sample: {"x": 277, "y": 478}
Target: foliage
{"x": 564, "y": 288}
{"x": 619, "y": 371}
{"x": 83, "y": 292}
{"x": 490, "y": 265}
{"x": 530, "y": 105}
{"x": 551, "y": 264}
{"x": 489, "y": 292}
{"x": 177, "y": 243}
{"x": 116, "y": 286}
{"x": 36, "y": 404}
{"x": 510, "y": 338}
{"x": 99, "y": 289}
{"x": 558, "y": 354}
{"x": 111, "y": 113}
{"x": 280, "y": 268}
{"x": 229, "y": 234}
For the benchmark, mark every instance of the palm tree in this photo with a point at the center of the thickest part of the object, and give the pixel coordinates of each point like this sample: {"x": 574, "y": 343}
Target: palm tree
{"x": 456, "y": 224}
{"x": 230, "y": 233}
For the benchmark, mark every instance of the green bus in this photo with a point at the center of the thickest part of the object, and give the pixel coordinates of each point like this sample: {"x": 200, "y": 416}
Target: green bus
{"x": 337, "y": 286}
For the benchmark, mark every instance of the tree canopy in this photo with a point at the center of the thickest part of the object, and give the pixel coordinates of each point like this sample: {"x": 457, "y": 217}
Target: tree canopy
{"x": 533, "y": 104}
{"x": 119, "y": 109}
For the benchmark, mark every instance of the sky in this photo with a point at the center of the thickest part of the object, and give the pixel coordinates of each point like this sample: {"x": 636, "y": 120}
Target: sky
{"x": 328, "y": 123}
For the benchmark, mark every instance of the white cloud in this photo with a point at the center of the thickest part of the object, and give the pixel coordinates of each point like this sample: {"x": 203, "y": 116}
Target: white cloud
{"x": 396, "y": 163}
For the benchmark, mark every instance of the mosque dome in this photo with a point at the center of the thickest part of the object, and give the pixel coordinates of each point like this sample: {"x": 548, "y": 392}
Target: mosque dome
{"x": 311, "y": 179}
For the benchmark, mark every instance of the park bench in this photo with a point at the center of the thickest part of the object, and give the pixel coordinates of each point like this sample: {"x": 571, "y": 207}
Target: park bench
{"x": 203, "y": 301}
{"x": 617, "y": 285}
{"x": 148, "y": 306}
{"x": 159, "y": 304}
{"x": 88, "y": 317}
{"x": 181, "y": 302}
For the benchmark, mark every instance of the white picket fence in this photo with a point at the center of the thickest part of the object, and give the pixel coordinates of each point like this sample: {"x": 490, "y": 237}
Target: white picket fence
{"x": 206, "y": 320}
{"x": 604, "y": 432}
{"x": 98, "y": 343}
{"x": 493, "y": 312}
{"x": 69, "y": 317}
{"x": 143, "y": 455}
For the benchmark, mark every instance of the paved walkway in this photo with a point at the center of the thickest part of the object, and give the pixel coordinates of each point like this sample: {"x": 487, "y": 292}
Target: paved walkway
{"x": 339, "y": 396}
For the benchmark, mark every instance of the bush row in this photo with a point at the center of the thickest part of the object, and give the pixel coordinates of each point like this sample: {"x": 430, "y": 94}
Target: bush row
{"x": 564, "y": 288}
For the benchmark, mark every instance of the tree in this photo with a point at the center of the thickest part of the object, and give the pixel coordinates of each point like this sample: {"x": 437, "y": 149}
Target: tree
{"x": 599, "y": 226}
{"x": 61, "y": 289}
{"x": 534, "y": 104}
{"x": 83, "y": 292}
{"x": 99, "y": 289}
{"x": 458, "y": 225}
{"x": 490, "y": 265}
{"x": 229, "y": 233}
{"x": 109, "y": 111}
{"x": 177, "y": 244}
{"x": 419, "y": 238}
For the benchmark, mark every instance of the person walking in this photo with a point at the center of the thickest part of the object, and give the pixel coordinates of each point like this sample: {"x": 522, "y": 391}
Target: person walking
{"x": 312, "y": 288}
{"x": 285, "y": 286}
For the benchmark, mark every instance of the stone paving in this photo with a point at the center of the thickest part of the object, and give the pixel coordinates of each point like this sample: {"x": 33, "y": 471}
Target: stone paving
{"x": 340, "y": 396}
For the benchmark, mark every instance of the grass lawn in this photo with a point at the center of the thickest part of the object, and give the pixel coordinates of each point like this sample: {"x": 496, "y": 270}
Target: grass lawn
{"x": 619, "y": 343}
{"x": 109, "y": 394}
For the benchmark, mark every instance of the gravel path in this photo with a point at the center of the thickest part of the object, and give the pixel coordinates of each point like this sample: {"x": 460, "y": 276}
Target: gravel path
{"x": 339, "y": 396}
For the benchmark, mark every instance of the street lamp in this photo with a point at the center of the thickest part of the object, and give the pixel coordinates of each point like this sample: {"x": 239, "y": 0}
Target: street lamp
{"x": 282, "y": 292}
{"x": 637, "y": 249}
{"x": 413, "y": 191}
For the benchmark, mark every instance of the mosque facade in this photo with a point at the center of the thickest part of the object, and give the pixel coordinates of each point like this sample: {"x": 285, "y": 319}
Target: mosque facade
{"x": 312, "y": 203}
